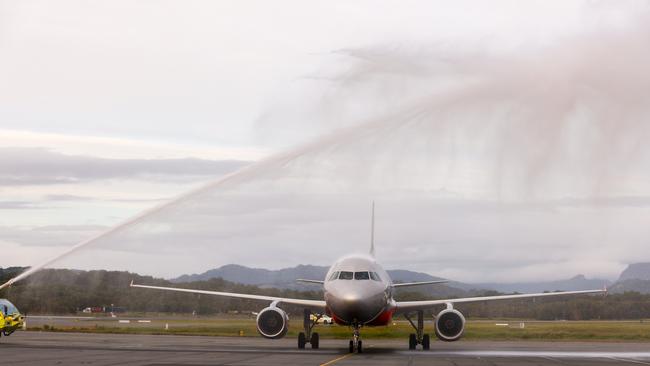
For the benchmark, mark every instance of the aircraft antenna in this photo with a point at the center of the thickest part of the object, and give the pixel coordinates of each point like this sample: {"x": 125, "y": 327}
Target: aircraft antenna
{"x": 372, "y": 231}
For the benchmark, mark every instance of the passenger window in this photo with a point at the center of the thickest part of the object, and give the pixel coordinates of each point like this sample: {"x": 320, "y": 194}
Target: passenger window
{"x": 361, "y": 276}
{"x": 334, "y": 276}
{"x": 345, "y": 275}
{"x": 375, "y": 276}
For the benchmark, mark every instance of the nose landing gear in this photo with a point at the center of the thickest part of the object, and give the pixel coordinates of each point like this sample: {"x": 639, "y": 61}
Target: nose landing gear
{"x": 307, "y": 336}
{"x": 355, "y": 342}
{"x": 419, "y": 337}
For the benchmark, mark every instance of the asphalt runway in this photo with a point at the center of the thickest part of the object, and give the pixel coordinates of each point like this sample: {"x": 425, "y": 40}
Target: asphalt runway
{"x": 44, "y": 348}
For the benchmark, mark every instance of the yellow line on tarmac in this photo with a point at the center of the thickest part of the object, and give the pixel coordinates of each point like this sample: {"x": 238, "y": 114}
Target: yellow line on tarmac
{"x": 340, "y": 358}
{"x": 336, "y": 360}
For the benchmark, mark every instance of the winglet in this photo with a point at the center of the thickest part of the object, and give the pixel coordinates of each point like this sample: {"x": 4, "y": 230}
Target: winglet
{"x": 131, "y": 285}
{"x": 372, "y": 231}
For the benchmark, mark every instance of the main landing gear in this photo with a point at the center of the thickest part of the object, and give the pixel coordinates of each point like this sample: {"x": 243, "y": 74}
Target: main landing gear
{"x": 355, "y": 342}
{"x": 419, "y": 337}
{"x": 307, "y": 336}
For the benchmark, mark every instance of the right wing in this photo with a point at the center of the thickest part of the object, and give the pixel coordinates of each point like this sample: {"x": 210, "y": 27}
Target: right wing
{"x": 313, "y": 304}
{"x": 407, "y": 306}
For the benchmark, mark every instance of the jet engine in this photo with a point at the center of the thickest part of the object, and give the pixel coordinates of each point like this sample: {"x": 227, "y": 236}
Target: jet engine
{"x": 272, "y": 323}
{"x": 450, "y": 325}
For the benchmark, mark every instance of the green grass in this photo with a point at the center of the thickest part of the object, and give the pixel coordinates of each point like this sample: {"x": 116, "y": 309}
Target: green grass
{"x": 475, "y": 330}
{"x": 562, "y": 331}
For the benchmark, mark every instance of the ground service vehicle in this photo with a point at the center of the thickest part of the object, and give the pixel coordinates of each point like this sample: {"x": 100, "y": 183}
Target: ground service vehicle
{"x": 10, "y": 318}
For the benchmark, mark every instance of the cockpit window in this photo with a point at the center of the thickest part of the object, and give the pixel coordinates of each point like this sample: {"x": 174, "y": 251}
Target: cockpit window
{"x": 344, "y": 275}
{"x": 361, "y": 276}
{"x": 334, "y": 276}
{"x": 375, "y": 276}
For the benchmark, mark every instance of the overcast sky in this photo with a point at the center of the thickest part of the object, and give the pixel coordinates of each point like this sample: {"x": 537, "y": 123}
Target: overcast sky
{"x": 502, "y": 140}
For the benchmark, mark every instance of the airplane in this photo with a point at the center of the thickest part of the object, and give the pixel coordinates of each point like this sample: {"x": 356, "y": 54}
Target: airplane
{"x": 358, "y": 293}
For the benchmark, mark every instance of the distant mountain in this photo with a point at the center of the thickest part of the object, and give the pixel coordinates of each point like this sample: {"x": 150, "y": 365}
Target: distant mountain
{"x": 635, "y": 278}
{"x": 636, "y": 271}
{"x": 578, "y": 282}
{"x": 282, "y": 278}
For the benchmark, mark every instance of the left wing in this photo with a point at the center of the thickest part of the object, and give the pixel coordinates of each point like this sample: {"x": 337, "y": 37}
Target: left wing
{"x": 313, "y": 304}
{"x": 406, "y": 306}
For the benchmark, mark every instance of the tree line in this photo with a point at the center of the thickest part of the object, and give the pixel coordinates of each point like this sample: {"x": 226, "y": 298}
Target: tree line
{"x": 63, "y": 291}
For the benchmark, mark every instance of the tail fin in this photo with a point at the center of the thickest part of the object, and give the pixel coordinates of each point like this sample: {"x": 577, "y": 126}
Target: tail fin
{"x": 372, "y": 231}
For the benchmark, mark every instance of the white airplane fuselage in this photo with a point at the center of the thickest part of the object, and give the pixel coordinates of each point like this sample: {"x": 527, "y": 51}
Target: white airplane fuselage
{"x": 358, "y": 291}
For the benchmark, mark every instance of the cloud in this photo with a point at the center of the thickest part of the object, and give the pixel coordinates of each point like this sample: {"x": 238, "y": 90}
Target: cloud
{"x": 33, "y": 166}
{"x": 67, "y": 198}
{"x": 123, "y": 148}
{"x": 16, "y": 205}
{"x": 49, "y": 235}
{"x": 76, "y": 198}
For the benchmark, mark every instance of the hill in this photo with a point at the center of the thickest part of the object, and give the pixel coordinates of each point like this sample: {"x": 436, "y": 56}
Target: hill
{"x": 578, "y": 282}
{"x": 636, "y": 271}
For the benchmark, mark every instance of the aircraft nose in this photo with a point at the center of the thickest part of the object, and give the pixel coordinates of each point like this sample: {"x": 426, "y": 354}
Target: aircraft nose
{"x": 356, "y": 303}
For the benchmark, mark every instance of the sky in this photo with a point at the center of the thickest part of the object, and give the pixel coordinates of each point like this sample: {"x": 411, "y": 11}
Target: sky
{"x": 501, "y": 141}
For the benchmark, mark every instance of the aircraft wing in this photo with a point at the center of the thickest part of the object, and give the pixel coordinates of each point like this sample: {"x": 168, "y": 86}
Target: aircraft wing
{"x": 313, "y": 304}
{"x": 407, "y": 306}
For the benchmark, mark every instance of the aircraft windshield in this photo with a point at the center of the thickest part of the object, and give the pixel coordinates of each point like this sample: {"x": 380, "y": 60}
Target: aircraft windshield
{"x": 375, "y": 276}
{"x": 345, "y": 275}
{"x": 361, "y": 276}
{"x": 334, "y": 276}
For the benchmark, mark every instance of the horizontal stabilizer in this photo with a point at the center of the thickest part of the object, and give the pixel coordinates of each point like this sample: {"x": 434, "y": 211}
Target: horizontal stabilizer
{"x": 409, "y": 284}
{"x": 311, "y": 281}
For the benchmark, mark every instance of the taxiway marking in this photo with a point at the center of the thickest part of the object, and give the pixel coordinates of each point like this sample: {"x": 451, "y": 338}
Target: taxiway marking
{"x": 337, "y": 360}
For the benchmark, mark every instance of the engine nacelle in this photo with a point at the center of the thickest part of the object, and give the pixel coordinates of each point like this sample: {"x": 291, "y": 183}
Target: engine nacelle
{"x": 272, "y": 323}
{"x": 450, "y": 325}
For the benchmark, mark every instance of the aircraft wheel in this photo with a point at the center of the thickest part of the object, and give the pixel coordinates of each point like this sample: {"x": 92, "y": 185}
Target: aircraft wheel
{"x": 302, "y": 340}
{"x": 314, "y": 340}
{"x": 351, "y": 346}
{"x": 359, "y": 347}
{"x": 412, "y": 341}
{"x": 426, "y": 342}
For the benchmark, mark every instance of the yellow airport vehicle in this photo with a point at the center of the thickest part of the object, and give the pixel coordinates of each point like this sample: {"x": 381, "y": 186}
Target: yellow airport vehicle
{"x": 10, "y": 318}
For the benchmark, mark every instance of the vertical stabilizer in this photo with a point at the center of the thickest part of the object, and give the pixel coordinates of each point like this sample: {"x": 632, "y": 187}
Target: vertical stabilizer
{"x": 372, "y": 231}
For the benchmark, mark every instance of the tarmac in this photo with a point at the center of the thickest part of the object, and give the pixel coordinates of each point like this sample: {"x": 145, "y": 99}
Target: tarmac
{"x": 49, "y": 348}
